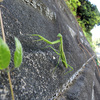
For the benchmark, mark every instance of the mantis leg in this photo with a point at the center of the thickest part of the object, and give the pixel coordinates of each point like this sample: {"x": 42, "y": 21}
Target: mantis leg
{"x": 56, "y": 65}
{"x": 56, "y": 53}
{"x": 58, "y": 59}
{"x": 67, "y": 65}
{"x": 38, "y": 40}
{"x": 69, "y": 70}
{"x": 53, "y": 49}
{"x": 44, "y": 39}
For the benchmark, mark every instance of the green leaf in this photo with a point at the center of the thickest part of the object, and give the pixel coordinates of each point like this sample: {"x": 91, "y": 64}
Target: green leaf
{"x": 4, "y": 55}
{"x": 18, "y": 53}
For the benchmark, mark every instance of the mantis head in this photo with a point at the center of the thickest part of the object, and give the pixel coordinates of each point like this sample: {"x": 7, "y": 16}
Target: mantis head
{"x": 59, "y": 35}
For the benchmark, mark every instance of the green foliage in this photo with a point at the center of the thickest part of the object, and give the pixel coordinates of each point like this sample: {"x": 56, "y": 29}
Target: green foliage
{"x": 4, "y": 55}
{"x": 86, "y": 14}
{"x": 18, "y": 53}
{"x": 73, "y": 4}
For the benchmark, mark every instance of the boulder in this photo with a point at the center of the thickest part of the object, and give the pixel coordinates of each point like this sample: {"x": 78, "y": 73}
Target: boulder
{"x": 35, "y": 79}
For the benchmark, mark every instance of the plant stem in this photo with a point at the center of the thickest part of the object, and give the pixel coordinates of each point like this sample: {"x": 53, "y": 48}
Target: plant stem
{"x": 10, "y": 83}
{"x": 3, "y": 34}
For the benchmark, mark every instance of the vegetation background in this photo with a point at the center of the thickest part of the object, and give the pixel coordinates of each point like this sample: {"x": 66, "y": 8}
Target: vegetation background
{"x": 87, "y": 16}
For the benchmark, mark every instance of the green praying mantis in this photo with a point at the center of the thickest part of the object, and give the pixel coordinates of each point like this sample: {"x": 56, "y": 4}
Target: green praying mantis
{"x": 61, "y": 53}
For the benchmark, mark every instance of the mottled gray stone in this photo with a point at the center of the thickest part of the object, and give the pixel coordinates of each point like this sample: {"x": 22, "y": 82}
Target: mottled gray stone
{"x": 35, "y": 80}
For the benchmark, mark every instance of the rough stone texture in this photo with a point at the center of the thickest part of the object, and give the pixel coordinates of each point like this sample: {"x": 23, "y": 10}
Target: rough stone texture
{"x": 34, "y": 79}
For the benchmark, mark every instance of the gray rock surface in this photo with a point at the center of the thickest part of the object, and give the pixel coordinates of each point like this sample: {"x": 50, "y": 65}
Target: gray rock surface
{"x": 34, "y": 79}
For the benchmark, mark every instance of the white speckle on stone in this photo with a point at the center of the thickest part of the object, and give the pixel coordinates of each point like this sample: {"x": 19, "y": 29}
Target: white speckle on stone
{"x": 93, "y": 97}
{"x": 54, "y": 76}
{"x": 54, "y": 15}
{"x": 40, "y": 7}
{"x": 5, "y": 23}
{"x": 27, "y": 1}
{"x": 0, "y": 90}
{"x": 81, "y": 40}
{"x": 86, "y": 43}
{"x": 36, "y": 54}
{"x": 60, "y": 6}
{"x": 33, "y": 3}
{"x": 4, "y": 92}
{"x": 54, "y": 57}
{"x": 20, "y": 33}
{"x": 49, "y": 14}
{"x": 23, "y": 84}
{"x": 7, "y": 33}
{"x": 81, "y": 33}
{"x": 40, "y": 76}
{"x": 37, "y": 71}
{"x": 72, "y": 31}
{"x": 8, "y": 26}
{"x": 37, "y": 98}
{"x": 39, "y": 87}
{"x": 55, "y": 7}
{"x": 43, "y": 77}
{"x": 41, "y": 93}
{"x": 45, "y": 90}
{"x": 34, "y": 91}
{"x": 3, "y": 96}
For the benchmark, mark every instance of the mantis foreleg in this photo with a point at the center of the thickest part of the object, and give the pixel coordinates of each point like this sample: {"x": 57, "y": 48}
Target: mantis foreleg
{"x": 53, "y": 50}
{"x": 44, "y": 39}
{"x": 38, "y": 40}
